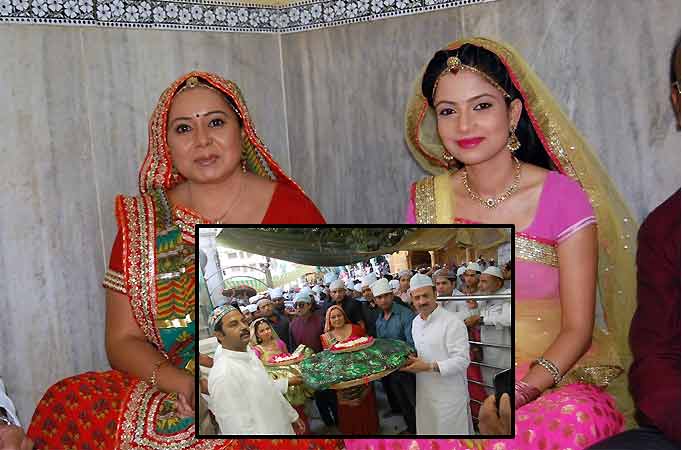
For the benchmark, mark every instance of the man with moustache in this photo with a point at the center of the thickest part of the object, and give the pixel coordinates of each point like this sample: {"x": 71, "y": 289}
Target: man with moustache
{"x": 469, "y": 312}
{"x": 239, "y": 378}
{"x": 368, "y": 306}
{"x": 471, "y": 278}
{"x": 404, "y": 279}
{"x": 339, "y": 296}
{"x": 495, "y": 321}
{"x": 277, "y": 297}
{"x": 442, "y": 344}
{"x": 306, "y": 329}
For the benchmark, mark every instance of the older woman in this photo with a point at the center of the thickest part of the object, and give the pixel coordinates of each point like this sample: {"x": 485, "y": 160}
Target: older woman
{"x": 205, "y": 164}
{"x": 357, "y": 405}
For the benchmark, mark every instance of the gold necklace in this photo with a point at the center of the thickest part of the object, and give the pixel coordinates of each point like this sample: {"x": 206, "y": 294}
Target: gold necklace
{"x": 493, "y": 202}
{"x": 227, "y": 210}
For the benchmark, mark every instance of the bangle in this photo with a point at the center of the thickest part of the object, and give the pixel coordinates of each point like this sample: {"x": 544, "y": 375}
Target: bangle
{"x": 153, "y": 379}
{"x": 524, "y": 393}
{"x": 550, "y": 367}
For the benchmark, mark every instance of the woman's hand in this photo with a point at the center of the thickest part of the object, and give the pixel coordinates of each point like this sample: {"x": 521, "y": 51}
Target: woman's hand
{"x": 295, "y": 380}
{"x": 185, "y": 403}
{"x": 14, "y": 438}
{"x": 184, "y": 407}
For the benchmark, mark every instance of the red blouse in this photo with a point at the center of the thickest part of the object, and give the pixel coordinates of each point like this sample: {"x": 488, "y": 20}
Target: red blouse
{"x": 289, "y": 206}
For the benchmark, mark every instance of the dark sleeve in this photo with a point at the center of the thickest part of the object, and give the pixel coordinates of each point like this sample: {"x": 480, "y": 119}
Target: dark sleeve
{"x": 408, "y": 317}
{"x": 292, "y": 341}
{"x": 655, "y": 329}
{"x": 356, "y": 310}
{"x": 287, "y": 332}
{"x": 323, "y": 313}
{"x": 400, "y": 301}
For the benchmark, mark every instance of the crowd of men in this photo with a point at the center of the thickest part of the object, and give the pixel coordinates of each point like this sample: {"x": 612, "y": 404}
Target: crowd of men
{"x": 426, "y": 308}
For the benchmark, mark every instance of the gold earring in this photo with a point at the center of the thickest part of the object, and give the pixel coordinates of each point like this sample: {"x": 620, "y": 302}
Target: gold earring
{"x": 513, "y": 143}
{"x": 243, "y": 160}
{"x": 243, "y": 164}
{"x": 447, "y": 156}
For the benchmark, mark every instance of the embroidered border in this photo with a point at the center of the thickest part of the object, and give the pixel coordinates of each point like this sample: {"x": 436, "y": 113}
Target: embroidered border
{"x": 138, "y": 427}
{"x": 207, "y": 15}
{"x": 533, "y": 250}
{"x": 137, "y": 224}
{"x": 425, "y": 201}
{"x": 115, "y": 281}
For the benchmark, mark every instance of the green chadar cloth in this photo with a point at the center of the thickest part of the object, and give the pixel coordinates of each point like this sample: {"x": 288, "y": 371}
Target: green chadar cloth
{"x": 326, "y": 368}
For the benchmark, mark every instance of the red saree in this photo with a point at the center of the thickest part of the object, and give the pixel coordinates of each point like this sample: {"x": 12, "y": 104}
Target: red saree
{"x": 152, "y": 264}
{"x": 361, "y": 419}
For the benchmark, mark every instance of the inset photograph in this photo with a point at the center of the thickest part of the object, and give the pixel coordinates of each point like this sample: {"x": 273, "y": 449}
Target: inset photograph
{"x": 354, "y": 331}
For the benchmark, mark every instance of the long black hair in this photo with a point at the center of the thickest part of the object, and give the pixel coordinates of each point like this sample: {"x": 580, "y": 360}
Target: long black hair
{"x": 531, "y": 150}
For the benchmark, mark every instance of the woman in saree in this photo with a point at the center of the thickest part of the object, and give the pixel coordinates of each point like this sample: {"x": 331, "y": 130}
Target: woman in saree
{"x": 359, "y": 414}
{"x": 502, "y": 151}
{"x": 205, "y": 164}
{"x": 265, "y": 343}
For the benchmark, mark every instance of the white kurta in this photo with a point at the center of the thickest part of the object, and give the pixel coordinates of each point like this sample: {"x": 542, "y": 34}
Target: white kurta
{"x": 496, "y": 329}
{"x": 442, "y": 397}
{"x": 244, "y": 399}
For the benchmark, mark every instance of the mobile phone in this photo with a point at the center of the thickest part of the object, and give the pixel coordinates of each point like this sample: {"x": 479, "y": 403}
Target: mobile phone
{"x": 503, "y": 385}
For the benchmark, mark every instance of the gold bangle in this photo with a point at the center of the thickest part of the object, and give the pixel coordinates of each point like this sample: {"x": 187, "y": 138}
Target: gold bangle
{"x": 550, "y": 367}
{"x": 155, "y": 372}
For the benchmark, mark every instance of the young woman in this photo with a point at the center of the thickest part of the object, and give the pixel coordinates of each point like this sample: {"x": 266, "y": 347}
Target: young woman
{"x": 502, "y": 151}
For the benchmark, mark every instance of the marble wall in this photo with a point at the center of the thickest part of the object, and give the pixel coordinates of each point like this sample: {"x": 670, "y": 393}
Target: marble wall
{"x": 606, "y": 61}
{"x": 329, "y": 104}
{"x": 74, "y": 110}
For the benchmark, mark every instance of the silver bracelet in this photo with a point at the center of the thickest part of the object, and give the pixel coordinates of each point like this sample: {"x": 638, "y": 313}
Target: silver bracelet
{"x": 550, "y": 367}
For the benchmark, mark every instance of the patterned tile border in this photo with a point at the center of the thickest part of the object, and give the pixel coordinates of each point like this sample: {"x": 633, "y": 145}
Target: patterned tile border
{"x": 211, "y": 15}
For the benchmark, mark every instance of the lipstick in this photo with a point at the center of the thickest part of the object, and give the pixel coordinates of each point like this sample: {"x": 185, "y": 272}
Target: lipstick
{"x": 469, "y": 143}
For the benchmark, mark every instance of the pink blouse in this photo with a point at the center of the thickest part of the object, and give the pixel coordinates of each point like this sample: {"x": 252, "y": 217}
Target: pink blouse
{"x": 563, "y": 209}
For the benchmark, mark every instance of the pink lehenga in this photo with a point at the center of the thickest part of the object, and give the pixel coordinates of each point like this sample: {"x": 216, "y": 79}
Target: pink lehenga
{"x": 591, "y": 403}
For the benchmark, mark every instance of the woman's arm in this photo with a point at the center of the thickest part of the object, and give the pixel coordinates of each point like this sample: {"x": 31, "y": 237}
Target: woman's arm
{"x": 577, "y": 291}
{"x": 129, "y": 351}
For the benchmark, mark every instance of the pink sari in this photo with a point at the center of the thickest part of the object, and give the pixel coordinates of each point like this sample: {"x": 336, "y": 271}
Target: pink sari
{"x": 575, "y": 415}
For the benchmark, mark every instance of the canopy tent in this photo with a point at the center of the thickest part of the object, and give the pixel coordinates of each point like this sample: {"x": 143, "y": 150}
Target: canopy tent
{"x": 242, "y": 282}
{"x": 341, "y": 246}
{"x": 292, "y": 276}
